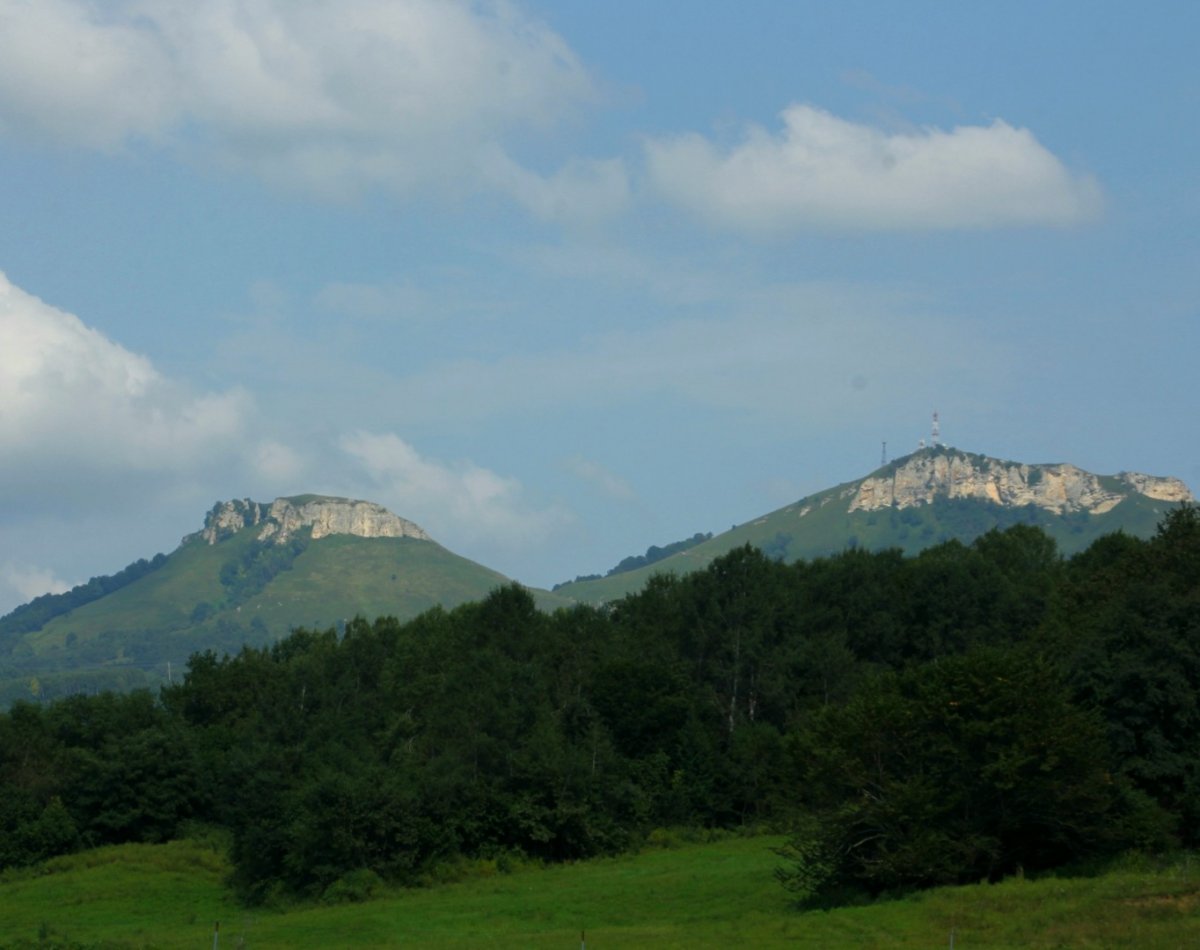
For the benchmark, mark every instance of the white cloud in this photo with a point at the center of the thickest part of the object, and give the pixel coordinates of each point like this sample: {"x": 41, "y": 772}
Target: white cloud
{"x": 456, "y": 503}
{"x": 595, "y": 474}
{"x": 29, "y": 581}
{"x": 74, "y": 405}
{"x": 328, "y": 97}
{"x": 580, "y": 191}
{"x": 72, "y": 75}
{"x": 821, "y": 171}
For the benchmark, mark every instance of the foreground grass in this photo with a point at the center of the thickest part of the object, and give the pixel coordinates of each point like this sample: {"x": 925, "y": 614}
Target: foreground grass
{"x": 707, "y": 895}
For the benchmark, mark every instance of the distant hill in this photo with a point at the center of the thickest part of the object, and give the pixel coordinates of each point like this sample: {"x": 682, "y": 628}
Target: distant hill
{"x": 933, "y": 495}
{"x": 254, "y": 571}
{"x": 251, "y": 574}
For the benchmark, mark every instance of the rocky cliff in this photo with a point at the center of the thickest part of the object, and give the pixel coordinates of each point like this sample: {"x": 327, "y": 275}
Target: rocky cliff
{"x": 283, "y": 517}
{"x": 948, "y": 473}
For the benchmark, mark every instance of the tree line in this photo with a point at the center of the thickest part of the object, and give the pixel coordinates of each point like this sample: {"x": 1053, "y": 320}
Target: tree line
{"x": 41, "y": 610}
{"x": 653, "y": 555}
{"x": 956, "y": 715}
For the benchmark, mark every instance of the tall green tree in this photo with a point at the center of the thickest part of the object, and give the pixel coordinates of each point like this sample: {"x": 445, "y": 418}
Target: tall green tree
{"x": 966, "y": 768}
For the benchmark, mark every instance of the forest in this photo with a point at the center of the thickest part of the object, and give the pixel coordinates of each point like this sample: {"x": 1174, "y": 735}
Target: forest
{"x": 967, "y": 713}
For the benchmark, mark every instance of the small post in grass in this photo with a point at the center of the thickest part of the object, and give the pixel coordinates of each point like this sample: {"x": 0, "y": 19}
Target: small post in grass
{"x": 216, "y": 933}
{"x": 582, "y": 940}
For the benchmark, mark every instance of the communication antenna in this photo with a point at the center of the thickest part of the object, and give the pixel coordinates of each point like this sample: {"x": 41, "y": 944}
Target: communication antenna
{"x": 883, "y": 458}
{"x": 935, "y": 438}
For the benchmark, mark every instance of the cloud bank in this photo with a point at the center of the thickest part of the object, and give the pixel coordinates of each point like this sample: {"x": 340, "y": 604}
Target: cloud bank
{"x": 332, "y": 98}
{"x": 821, "y": 171}
{"x": 420, "y": 97}
{"x": 74, "y": 406}
{"x": 470, "y": 503}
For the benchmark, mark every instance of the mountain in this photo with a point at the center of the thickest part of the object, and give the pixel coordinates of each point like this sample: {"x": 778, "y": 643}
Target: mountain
{"x": 254, "y": 571}
{"x": 933, "y": 495}
{"x": 249, "y": 575}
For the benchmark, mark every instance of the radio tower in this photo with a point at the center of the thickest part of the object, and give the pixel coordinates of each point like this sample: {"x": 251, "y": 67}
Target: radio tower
{"x": 883, "y": 459}
{"x": 935, "y": 438}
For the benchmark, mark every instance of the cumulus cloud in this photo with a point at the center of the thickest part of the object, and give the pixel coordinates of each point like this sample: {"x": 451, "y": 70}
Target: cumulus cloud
{"x": 70, "y": 74}
{"x": 821, "y": 171}
{"x": 460, "y": 502}
{"x": 75, "y": 404}
{"x": 323, "y": 96}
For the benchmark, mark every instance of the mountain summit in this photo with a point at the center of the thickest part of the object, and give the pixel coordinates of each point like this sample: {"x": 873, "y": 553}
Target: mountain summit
{"x": 935, "y": 494}
{"x": 930, "y": 474}
{"x": 253, "y": 572}
{"x": 323, "y": 515}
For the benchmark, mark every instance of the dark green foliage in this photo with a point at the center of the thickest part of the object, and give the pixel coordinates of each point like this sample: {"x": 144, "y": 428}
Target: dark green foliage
{"x": 777, "y": 548}
{"x": 654, "y": 553}
{"x": 245, "y": 575}
{"x": 1128, "y": 624}
{"x": 954, "y": 771}
{"x": 577, "y": 579}
{"x": 29, "y": 834}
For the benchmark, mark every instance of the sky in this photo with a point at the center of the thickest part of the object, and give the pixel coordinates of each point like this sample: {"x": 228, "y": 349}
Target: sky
{"x": 562, "y": 280}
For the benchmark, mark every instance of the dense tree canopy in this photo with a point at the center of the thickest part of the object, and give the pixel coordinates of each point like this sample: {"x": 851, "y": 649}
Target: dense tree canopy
{"x": 945, "y": 717}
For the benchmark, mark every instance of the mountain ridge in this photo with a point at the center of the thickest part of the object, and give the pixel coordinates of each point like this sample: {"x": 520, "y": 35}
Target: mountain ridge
{"x": 1055, "y": 486}
{"x": 931, "y": 495}
{"x": 256, "y": 570}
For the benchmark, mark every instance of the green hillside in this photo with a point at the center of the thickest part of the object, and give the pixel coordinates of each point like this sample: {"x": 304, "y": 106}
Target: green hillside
{"x": 719, "y": 894}
{"x": 821, "y": 525}
{"x": 128, "y": 638}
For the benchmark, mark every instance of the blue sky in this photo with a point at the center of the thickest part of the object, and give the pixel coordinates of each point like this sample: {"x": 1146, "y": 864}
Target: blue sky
{"x": 561, "y": 280}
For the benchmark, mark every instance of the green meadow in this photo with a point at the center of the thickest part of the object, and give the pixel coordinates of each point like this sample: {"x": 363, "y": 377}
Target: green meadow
{"x": 715, "y": 894}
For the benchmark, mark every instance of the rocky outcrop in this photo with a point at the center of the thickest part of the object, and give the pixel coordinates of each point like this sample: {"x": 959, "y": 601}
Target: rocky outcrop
{"x": 325, "y": 516}
{"x": 1160, "y": 489}
{"x": 229, "y": 517}
{"x": 946, "y": 473}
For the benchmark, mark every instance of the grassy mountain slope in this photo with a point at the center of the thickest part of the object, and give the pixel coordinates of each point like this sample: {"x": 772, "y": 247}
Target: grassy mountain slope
{"x": 822, "y": 524}
{"x": 127, "y": 638}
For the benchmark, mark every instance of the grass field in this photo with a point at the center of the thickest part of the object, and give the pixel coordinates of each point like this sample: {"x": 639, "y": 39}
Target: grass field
{"x": 719, "y": 894}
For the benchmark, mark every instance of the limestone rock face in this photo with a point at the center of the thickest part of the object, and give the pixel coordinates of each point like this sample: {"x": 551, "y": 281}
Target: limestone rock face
{"x": 326, "y": 516}
{"x": 1160, "y": 489}
{"x": 947, "y": 473}
{"x": 229, "y": 517}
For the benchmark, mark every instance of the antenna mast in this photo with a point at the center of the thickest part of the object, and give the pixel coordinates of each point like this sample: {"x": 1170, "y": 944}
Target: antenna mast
{"x": 883, "y": 458}
{"x": 936, "y": 435}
